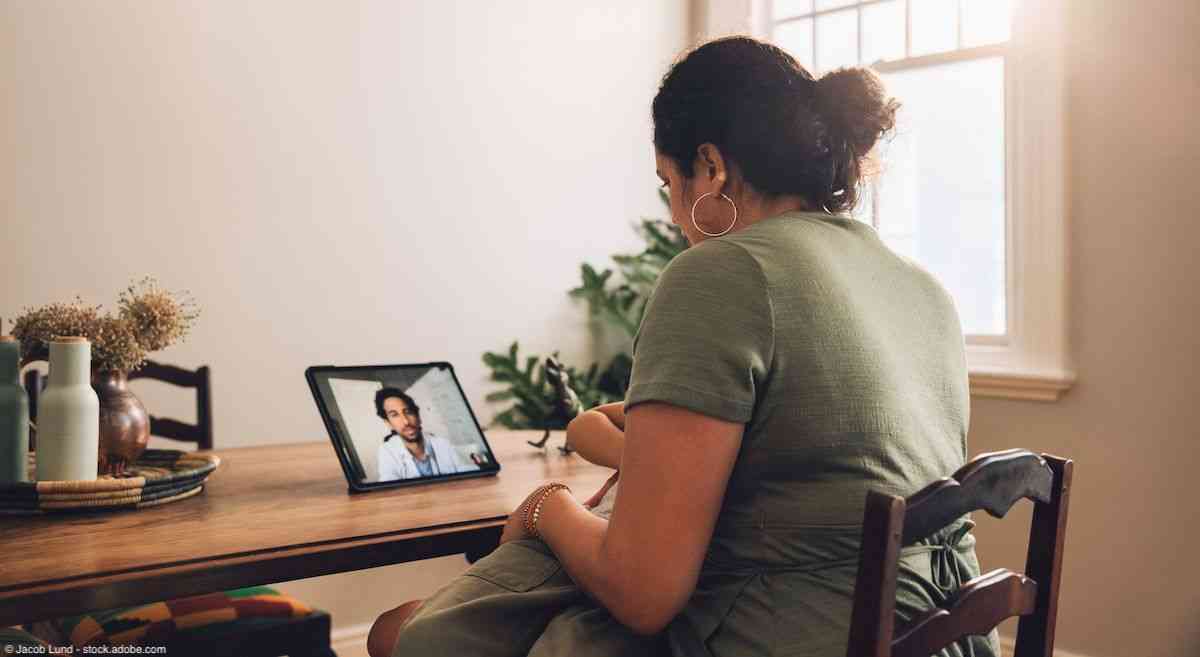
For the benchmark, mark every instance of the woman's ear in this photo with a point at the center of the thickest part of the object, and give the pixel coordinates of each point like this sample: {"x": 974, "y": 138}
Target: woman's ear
{"x": 710, "y": 166}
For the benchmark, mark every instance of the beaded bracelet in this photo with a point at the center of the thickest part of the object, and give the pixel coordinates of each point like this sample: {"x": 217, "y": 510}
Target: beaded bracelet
{"x": 534, "y": 499}
{"x": 533, "y": 511}
{"x": 523, "y": 511}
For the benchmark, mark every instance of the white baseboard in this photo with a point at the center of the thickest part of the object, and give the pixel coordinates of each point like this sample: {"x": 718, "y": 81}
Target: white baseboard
{"x": 1007, "y": 644}
{"x": 350, "y": 641}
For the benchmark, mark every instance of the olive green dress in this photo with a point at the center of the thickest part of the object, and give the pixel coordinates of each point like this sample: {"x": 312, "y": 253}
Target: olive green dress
{"x": 845, "y": 362}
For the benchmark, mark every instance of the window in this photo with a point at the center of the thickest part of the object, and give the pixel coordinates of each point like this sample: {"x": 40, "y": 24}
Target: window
{"x": 971, "y": 182}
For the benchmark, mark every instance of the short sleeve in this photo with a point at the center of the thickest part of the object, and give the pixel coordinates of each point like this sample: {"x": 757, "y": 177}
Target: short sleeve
{"x": 706, "y": 339}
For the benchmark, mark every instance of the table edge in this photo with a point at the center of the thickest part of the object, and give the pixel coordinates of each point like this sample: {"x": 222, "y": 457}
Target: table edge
{"x": 53, "y": 598}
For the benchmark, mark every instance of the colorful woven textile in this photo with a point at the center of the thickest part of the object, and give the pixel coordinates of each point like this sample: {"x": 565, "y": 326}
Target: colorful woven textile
{"x": 13, "y": 638}
{"x": 158, "y": 477}
{"x": 160, "y": 622}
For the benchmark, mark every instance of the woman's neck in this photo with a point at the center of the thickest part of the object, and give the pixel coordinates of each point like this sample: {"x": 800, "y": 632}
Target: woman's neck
{"x": 754, "y": 210}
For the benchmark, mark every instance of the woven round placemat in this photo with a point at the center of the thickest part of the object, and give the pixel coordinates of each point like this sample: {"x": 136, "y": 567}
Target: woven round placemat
{"x": 159, "y": 476}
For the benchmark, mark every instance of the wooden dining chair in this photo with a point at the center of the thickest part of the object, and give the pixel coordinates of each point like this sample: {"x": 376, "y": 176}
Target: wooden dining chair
{"x": 991, "y": 482}
{"x": 262, "y": 636}
{"x": 199, "y": 379}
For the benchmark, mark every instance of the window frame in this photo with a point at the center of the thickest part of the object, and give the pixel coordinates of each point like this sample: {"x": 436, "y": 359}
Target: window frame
{"x": 1031, "y": 362}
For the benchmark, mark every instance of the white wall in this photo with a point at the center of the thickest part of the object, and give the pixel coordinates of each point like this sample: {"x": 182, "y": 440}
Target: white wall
{"x": 335, "y": 182}
{"x": 717, "y": 18}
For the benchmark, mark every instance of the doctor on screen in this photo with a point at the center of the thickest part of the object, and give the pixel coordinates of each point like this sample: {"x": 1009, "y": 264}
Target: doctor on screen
{"x": 416, "y": 453}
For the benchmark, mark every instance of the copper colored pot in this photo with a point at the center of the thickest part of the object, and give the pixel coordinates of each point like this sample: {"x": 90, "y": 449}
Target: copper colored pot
{"x": 124, "y": 423}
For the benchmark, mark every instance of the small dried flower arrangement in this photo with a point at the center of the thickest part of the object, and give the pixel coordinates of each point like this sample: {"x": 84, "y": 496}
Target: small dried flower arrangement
{"x": 148, "y": 319}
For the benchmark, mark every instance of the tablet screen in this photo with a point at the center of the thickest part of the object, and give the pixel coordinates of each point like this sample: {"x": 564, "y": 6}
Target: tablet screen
{"x": 400, "y": 422}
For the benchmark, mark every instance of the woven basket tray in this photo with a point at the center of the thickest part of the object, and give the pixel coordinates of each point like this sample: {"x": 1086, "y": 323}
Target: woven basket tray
{"x": 158, "y": 477}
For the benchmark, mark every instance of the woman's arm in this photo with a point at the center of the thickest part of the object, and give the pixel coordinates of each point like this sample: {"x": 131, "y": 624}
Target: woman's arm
{"x": 642, "y": 565}
{"x": 597, "y": 438}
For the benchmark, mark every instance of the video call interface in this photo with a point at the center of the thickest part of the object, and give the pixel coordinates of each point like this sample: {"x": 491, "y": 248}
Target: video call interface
{"x": 403, "y": 423}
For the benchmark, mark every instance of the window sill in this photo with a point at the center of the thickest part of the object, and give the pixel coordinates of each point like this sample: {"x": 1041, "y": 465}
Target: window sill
{"x": 1020, "y": 385}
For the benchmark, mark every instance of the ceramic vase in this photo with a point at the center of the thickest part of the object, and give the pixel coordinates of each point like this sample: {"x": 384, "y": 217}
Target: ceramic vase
{"x": 14, "y": 414}
{"x": 124, "y": 423}
{"x": 68, "y": 415}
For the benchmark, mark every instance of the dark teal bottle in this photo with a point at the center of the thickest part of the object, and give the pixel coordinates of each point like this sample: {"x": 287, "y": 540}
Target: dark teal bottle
{"x": 14, "y": 414}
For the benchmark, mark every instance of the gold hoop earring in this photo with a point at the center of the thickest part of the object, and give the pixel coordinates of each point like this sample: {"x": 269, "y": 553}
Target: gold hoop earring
{"x": 697, "y": 224}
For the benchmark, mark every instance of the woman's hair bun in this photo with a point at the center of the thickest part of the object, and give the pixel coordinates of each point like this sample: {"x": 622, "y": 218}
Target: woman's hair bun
{"x": 854, "y": 104}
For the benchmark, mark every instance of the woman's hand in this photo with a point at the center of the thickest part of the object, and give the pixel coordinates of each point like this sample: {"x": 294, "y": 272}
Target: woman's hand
{"x": 595, "y": 499}
{"x": 514, "y": 529}
{"x": 615, "y": 412}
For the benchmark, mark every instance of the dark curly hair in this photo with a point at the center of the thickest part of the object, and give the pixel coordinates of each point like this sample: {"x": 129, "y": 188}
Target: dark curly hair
{"x": 387, "y": 392}
{"x": 787, "y": 133}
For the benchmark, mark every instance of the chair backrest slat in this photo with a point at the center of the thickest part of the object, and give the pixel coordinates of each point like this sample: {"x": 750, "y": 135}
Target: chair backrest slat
{"x": 167, "y": 374}
{"x": 990, "y": 482}
{"x": 175, "y": 430}
{"x": 979, "y": 606}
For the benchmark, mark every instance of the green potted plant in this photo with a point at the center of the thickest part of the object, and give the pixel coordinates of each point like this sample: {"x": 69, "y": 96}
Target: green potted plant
{"x": 616, "y": 296}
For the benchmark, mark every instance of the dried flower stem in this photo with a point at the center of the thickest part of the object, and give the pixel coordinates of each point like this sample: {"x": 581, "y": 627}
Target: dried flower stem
{"x": 149, "y": 319}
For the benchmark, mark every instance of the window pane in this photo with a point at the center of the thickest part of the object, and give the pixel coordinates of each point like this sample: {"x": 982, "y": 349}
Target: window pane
{"x": 864, "y": 211}
{"x": 796, "y": 37}
{"x": 788, "y": 8}
{"x": 883, "y": 32}
{"x": 934, "y": 26}
{"x": 833, "y": 4}
{"x": 941, "y": 196}
{"x": 986, "y": 21}
{"x": 837, "y": 40}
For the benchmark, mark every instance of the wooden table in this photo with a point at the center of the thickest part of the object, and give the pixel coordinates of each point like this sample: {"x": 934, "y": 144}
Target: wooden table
{"x": 268, "y": 514}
